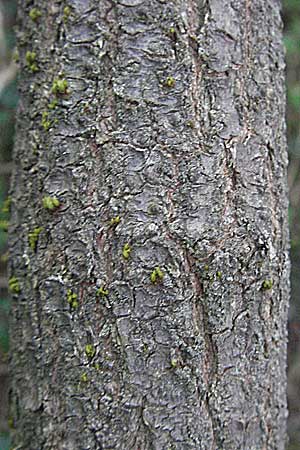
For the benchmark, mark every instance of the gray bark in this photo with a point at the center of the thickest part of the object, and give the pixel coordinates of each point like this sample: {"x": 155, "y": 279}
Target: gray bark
{"x": 167, "y": 153}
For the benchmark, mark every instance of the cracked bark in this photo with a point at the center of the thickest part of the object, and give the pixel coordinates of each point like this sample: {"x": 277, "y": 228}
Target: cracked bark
{"x": 173, "y": 122}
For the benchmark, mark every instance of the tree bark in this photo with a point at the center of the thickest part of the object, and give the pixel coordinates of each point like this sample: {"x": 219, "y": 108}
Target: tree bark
{"x": 149, "y": 235}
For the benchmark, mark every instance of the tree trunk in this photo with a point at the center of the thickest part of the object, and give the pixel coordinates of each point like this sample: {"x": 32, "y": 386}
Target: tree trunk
{"x": 149, "y": 227}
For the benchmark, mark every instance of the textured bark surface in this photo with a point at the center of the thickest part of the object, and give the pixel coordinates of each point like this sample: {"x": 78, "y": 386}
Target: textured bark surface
{"x": 169, "y": 141}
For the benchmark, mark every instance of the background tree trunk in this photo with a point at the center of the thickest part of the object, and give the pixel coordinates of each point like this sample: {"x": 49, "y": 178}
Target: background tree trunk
{"x": 150, "y": 305}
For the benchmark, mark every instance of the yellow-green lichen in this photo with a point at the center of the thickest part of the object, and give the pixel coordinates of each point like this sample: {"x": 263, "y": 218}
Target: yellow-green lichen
{"x": 170, "y": 82}
{"x": 219, "y": 274}
{"x": 156, "y": 275}
{"x": 90, "y": 351}
{"x": 267, "y": 284}
{"x": 72, "y": 298}
{"x": 50, "y": 203}
{"x": 102, "y": 291}
{"x": 14, "y": 286}
{"x": 115, "y": 220}
{"x": 126, "y": 251}
{"x": 33, "y": 237}
{"x": 59, "y": 87}
{"x": 31, "y": 61}
{"x": 35, "y": 14}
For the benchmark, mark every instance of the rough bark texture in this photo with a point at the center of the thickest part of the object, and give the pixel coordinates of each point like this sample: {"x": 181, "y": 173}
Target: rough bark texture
{"x": 167, "y": 153}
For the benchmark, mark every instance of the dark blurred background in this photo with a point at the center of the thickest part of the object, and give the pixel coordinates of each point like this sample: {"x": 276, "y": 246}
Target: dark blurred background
{"x": 8, "y": 102}
{"x": 291, "y": 19}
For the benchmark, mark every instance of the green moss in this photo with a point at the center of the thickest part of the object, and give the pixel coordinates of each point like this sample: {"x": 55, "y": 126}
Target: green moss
{"x": 170, "y": 82}
{"x": 191, "y": 123}
{"x": 6, "y": 205}
{"x": 219, "y": 274}
{"x": 59, "y": 87}
{"x": 46, "y": 123}
{"x": 84, "y": 378}
{"x": 267, "y": 284}
{"x": 156, "y": 275}
{"x": 53, "y": 104}
{"x": 102, "y": 291}
{"x": 35, "y": 14}
{"x": 72, "y": 298}
{"x": 115, "y": 220}
{"x": 90, "y": 351}
{"x": 67, "y": 12}
{"x": 31, "y": 61}
{"x": 50, "y": 203}
{"x": 174, "y": 363}
{"x": 14, "y": 285}
{"x": 33, "y": 237}
{"x": 4, "y": 224}
{"x": 126, "y": 251}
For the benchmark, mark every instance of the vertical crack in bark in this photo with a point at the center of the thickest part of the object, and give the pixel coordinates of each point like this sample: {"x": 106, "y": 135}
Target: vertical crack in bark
{"x": 201, "y": 321}
{"x": 194, "y": 28}
{"x": 200, "y": 311}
